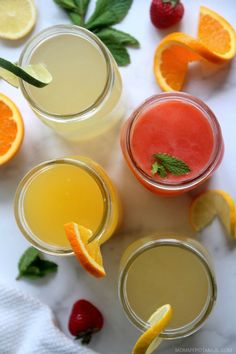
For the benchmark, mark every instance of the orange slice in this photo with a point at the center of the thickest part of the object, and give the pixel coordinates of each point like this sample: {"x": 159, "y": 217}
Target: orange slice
{"x": 11, "y": 129}
{"x": 210, "y": 204}
{"x": 217, "y": 34}
{"x": 87, "y": 253}
{"x": 216, "y": 43}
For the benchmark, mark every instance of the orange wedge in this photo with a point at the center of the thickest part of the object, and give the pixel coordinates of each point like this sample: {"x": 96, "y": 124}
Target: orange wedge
{"x": 11, "y": 129}
{"x": 87, "y": 253}
{"x": 216, "y": 43}
{"x": 211, "y": 204}
{"x": 217, "y": 34}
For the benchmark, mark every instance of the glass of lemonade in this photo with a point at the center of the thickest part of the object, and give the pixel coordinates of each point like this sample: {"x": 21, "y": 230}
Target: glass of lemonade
{"x": 72, "y": 189}
{"x": 158, "y": 270}
{"x": 84, "y": 97}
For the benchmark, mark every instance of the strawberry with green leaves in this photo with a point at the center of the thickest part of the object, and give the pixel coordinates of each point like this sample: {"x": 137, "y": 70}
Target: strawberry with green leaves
{"x": 166, "y": 13}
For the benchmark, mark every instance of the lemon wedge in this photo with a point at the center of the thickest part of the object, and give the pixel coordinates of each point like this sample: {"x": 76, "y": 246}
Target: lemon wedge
{"x": 17, "y": 18}
{"x": 210, "y": 204}
{"x": 150, "y": 340}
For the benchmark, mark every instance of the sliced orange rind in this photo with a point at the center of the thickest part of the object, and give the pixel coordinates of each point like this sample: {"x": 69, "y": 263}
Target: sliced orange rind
{"x": 150, "y": 340}
{"x": 87, "y": 253}
{"x": 211, "y": 204}
{"x": 11, "y": 129}
{"x": 216, "y": 44}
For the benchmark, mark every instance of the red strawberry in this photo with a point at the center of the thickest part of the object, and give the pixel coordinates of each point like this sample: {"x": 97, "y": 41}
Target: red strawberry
{"x": 85, "y": 319}
{"x": 166, "y": 13}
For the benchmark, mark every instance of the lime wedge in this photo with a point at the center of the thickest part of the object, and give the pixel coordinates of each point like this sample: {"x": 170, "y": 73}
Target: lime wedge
{"x": 36, "y": 75}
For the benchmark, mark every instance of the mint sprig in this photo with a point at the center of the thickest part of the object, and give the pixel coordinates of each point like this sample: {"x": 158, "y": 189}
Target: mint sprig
{"x": 32, "y": 266}
{"x": 165, "y": 164}
{"x": 106, "y": 14}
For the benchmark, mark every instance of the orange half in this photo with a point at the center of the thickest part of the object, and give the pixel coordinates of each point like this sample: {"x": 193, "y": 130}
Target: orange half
{"x": 87, "y": 253}
{"x": 11, "y": 129}
{"x": 216, "y": 43}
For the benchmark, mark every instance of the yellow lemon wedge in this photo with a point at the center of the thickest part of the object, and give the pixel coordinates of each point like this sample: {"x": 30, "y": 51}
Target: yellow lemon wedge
{"x": 210, "y": 204}
{"x": 150, "y": 340}
{"x": 87, "y": 253}
{"x": 17, "y": 18}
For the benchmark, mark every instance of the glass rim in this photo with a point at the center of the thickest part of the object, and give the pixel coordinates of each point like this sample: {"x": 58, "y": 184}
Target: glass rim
{"x": 189, "y": 328}
{"x": 19, "y": 204}
{"x": 73, "y": 30}
{"x": 216, "y": 130}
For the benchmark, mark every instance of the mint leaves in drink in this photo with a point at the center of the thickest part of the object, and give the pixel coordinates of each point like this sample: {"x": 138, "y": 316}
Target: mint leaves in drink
{"x": 165, "y": 164}
{"x": 106, "y": 14}
{"x": 32, "y": 266}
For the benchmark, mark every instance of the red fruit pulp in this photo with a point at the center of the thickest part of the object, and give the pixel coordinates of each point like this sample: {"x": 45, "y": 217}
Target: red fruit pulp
{"x": 175, "y": 128}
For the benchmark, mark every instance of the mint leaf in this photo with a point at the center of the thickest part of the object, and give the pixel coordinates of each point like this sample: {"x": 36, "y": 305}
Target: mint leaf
{"x": 172, "y": 164}
{"x": 82, "y": 6}
{"x": 108, "y": 12}
{"x": 28, "y": 257}
{"x": 66, "y": 4}
{"x": 33, "y": 267}
{"x": 119, "y": 52}
{"x": 115, "y": 36}
{"x": 76, "y": 9}
{"x": 75, "y": 18}
{"x": 159, "y": 169}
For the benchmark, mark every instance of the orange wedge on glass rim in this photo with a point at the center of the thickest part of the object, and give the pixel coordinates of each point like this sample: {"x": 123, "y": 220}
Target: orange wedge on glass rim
{"x": 11, "y": 129}
{"x": 216, "y": 43}
{"x": 211, "y": 204}
{"x": 149, "y": 341}
{"x": 87, "y": 253}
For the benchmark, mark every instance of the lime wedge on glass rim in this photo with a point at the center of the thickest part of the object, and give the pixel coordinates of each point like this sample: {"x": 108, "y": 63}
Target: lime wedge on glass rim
{"x": 36, "y": 75}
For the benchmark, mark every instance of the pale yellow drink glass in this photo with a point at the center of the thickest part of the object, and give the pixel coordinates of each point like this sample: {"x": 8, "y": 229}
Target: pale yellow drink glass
{"x": 84, "y": 97}
{"x": 72, "y": 189}
{"x": 158, "y": 270}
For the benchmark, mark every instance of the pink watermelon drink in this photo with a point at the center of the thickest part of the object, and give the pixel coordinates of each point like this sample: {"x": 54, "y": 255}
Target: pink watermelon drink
{"x": 172, "y": 143}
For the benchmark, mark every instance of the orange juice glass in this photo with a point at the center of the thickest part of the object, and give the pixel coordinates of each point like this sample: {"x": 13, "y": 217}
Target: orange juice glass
{"x": 66, "y": 190}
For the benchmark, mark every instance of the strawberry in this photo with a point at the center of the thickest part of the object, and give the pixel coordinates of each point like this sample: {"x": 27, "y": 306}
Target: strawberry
{"x": 85, "y": 319}
{"x": 166, "y": 13}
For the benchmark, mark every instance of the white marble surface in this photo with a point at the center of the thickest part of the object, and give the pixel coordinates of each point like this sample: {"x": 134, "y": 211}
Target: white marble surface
{"x": 143, "y": 211}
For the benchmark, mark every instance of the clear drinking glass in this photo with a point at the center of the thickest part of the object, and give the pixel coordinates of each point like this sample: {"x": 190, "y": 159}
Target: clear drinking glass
{"x": 71, "y": 189}
{"x": 160, "y": 269}
{"x": 76, "y": 104}
{"x": 187, "y": 182}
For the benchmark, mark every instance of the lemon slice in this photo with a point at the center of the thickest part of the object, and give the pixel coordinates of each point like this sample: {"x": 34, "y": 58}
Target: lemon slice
{"x": 150, "y": 340}
{"x": 36, "y": 75}
{"x": 17, "y": 18}
{"x": 210, "y": 204}
{"x": 87, "y": 253}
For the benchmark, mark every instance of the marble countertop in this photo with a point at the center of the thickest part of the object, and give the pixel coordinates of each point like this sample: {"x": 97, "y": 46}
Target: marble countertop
{"x": 143, "y": 211}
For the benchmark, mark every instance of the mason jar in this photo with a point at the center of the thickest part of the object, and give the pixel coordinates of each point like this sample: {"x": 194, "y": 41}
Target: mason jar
{"x": 60, "y": 191}
{"x": 167, "y": 269}
{"x": 195, "y": 134}
{"x": 84, "y": 98}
